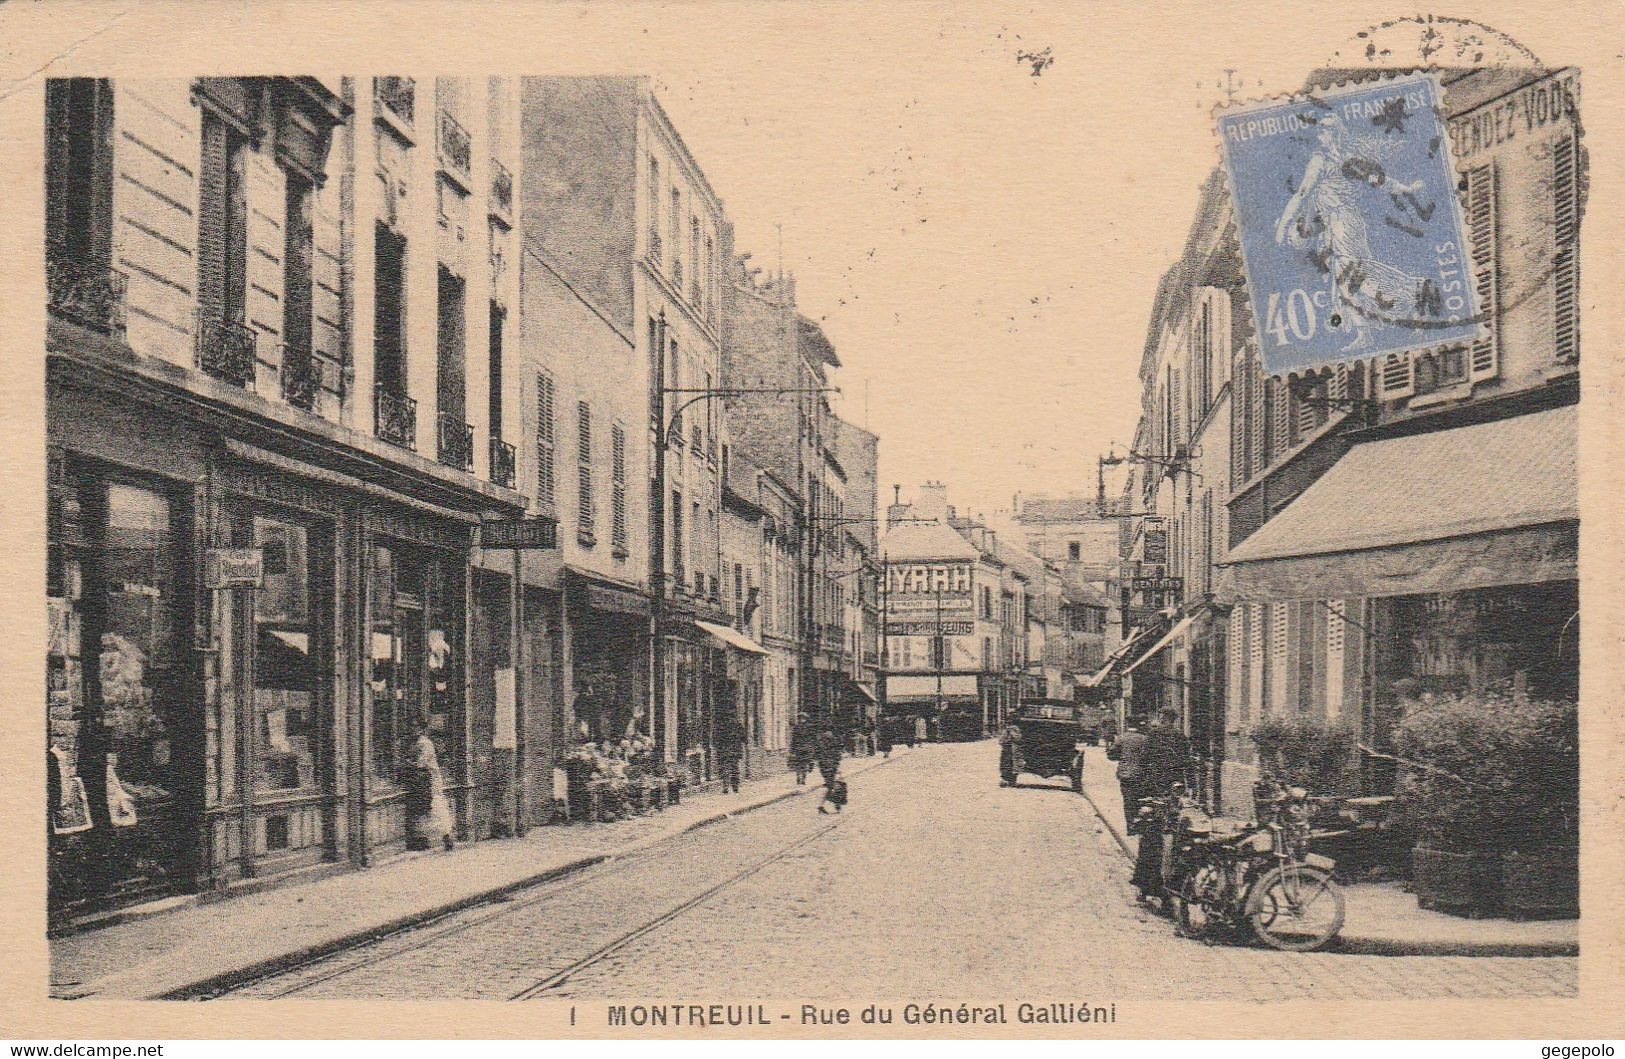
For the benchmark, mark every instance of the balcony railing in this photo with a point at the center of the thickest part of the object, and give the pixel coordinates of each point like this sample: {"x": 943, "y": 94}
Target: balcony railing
{"x": 502, "y": 463}
{"x": 301, "y": 377}
{"x": 226, "y": 348}
{"x": 397, "y": 95}
{"x": 454, "y": 442}
{"x": 501, "y": 190}
{"x": 456, "y": 149}
{"x": 395, "y": 418}
{"x": 89, "y": 297}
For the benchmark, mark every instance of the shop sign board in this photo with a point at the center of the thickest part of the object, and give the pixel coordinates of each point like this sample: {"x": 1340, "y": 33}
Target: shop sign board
{"x": 931, "y": 628}
{"x": 1160, "y": 585}
{"x": 520, "y": 533}
{"x": 1156, "y": 545}
{"x": 947, "y": 579}
{"x": 233, "y": 568}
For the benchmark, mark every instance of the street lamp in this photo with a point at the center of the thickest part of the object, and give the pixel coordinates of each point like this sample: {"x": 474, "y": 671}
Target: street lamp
{"x": 657, "y": 515}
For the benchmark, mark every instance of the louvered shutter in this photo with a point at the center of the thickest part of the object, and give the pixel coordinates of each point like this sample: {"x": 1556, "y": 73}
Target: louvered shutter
{"x": 1177, "y": 412}
{"x": 618, "y": 486}
{"x": 212, "y": 216}
{"x": 1482, "y": 222}
{"x": 1280, "y": 626}
{"x": 1307, "y": 413}
{"x": 584, "y": 496}
{"x": 1280, "y": 418}
{"x": 1334, "y": 658}
{"x": 1566, "y": 262}
{"x": 1396, "y": 377}
{"x": 1255, "y": 658}
{"x": 546, "y": 469}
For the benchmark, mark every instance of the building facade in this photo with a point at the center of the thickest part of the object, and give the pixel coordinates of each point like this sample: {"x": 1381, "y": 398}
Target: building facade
{"x": 627, "y": 218}
{"x": 264, "y": 490}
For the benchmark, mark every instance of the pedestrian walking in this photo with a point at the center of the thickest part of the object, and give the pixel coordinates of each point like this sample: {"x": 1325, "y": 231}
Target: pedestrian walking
{"x": 730, "y": 744}
{"x": 936, "y": 729}
{"x": 1011, "y": 761}
{"x": 883, "y": 737}
{"x": 868, "y": 728}
{"x": 919, "y": 731}
{"x": 802, "y": 739}
{"x": 428, "y": 812}
{"x": 828, "y": 754}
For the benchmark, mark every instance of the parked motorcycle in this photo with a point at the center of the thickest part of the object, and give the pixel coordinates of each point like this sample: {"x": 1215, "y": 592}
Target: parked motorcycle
{"x": 1223, "y": 876}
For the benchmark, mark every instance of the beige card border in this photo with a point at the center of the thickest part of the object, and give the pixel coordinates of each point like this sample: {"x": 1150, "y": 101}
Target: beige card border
{"x": 170, "y": 38}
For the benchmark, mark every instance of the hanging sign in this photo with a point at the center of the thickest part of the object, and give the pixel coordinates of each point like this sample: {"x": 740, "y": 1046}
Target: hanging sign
{"x": 233, "y": 568}
{"x": 520, "y": 533}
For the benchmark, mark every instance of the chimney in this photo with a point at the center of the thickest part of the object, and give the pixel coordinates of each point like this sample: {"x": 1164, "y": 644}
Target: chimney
{"x": 933, "y": 502}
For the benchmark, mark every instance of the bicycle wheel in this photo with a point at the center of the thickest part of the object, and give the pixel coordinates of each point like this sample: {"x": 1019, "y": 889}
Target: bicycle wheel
{"x": 1196, "y": 919}
{"x": 1296, "y": 908}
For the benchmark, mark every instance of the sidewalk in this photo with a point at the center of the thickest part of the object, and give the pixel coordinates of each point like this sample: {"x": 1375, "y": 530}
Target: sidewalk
{"x": 1381, "y": 918}
{"x": 239, "y": 937}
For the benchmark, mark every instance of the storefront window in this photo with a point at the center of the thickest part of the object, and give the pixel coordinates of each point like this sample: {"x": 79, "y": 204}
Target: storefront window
{"x": 137, "y": 662}
{"x": 286, "y": 684}
{"x": 117, "y": 707}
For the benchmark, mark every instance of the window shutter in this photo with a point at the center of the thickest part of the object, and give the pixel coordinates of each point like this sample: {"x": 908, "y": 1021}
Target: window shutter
{"x": 584, "y": 497}
{"x": 1279, "y": 629}
{"x": 1177, "y": 414}
{"x": 1481, "y": 228}
{"x": 1566, "y": 236}
{"x": 1255, "y": 656}
{"x": 1280, "y": 418}
{"x": 1307, "y": 413}
{"x": 1396, "y": 377}
{"x": 212, "y": 216}
{"x": 546, "y": 471}
{"x": 618, "y": 486}
{"x": 1334, "y": 658}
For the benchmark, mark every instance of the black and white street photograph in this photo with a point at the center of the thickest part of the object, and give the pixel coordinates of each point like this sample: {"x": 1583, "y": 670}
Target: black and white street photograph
{"x": 970, "y": 533}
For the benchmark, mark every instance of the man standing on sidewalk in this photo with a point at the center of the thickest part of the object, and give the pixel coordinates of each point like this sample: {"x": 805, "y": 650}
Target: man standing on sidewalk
{"x": 730, "y": 736}
{"x": 1129, "y": 750}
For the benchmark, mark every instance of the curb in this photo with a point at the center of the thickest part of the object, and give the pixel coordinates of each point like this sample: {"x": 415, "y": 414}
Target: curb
{"x": 223, "y": 981}
{"x": 1372, "y": 945}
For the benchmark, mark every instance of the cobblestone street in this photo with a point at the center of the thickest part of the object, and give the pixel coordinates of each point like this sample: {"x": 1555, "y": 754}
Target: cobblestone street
{"x": 936, "y": 883}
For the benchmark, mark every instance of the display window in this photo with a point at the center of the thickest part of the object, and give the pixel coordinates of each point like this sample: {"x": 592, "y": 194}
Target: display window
{"x": 121, "y": 719}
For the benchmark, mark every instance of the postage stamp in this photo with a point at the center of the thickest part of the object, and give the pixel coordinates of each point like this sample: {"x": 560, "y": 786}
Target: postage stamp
{"x": 1351, "y": 232}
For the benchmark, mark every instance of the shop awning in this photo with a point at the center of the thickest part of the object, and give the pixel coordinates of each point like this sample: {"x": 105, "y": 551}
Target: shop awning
{"x": 732, "y": 638}
{"x": 1183, "y": 624}
{"x": 1471, "y": 507}
{"x": 1138, "y": 639}
{"x": 861, "y": 691}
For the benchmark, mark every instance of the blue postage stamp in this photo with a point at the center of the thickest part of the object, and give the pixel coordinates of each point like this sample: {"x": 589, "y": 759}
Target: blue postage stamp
{"x": 1351, "y": 232}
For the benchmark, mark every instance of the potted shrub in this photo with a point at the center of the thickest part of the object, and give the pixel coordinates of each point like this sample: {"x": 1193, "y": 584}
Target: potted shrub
{"x": 1303, "y": 751}
{"x": 1489, "y": 784}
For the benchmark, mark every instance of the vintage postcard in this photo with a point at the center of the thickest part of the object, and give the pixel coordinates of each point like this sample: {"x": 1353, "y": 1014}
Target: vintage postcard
{"x": 778, "y": 521}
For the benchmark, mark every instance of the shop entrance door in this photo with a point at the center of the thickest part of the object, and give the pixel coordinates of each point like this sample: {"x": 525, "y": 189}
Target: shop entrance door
{"x": 492, "y": 687}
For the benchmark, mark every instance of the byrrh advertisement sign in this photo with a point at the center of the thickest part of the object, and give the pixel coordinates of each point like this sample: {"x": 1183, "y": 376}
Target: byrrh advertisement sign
{"x": 930, "y": 590}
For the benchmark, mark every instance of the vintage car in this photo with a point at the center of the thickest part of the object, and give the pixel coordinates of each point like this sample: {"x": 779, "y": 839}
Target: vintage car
{"x": 1051, "y": 742}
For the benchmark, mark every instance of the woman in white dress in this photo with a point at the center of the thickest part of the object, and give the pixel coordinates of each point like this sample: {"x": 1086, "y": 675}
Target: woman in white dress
{"x": 429, "y": 812}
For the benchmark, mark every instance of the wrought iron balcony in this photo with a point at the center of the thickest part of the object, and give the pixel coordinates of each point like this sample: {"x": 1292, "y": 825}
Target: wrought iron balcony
{"x": 301, "y": 377}
{"x": 456, "y": 148}
{"x": 395, "y": 418}
{"x": 226, "y": 348}
{"x": 397, "y": 95}
{"x": 501, "y": 190}
{"x": 454, "y": 442}
{"x": 89, "y": 297}
{"x": 502, "y": 463}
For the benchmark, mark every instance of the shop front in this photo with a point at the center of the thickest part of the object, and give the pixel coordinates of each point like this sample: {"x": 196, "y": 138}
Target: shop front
{"x": 1464, "y": 578}
{"x": 609, "y": 660}
{"x": 737, "y": 689}
{"x": 243, "y": 643}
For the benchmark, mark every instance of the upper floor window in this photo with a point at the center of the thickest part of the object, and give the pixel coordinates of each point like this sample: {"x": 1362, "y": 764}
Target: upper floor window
{"x": 225, "y": 343}
{"x": 586, "y": 516}
{"x": 81, "y": 284}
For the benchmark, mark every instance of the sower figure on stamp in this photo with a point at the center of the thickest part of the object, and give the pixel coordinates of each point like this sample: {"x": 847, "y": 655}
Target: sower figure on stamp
{"x": 1325, "y": 215}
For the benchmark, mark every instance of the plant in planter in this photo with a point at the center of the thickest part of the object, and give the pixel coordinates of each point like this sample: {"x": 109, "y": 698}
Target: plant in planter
{"x": 1489, "y": 784}
{"x": 1303, "y": 751}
